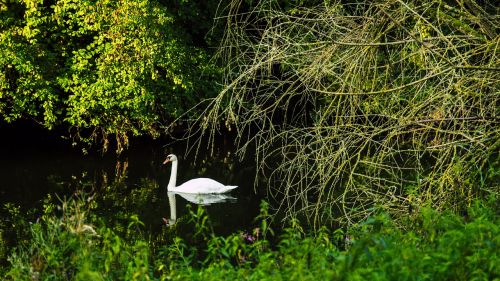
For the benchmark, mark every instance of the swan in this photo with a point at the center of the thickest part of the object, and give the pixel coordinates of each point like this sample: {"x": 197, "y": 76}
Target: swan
{"x": 196, "y": 186}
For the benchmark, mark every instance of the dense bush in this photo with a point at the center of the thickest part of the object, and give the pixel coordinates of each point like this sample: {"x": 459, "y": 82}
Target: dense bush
{"x": 431, "y": 246}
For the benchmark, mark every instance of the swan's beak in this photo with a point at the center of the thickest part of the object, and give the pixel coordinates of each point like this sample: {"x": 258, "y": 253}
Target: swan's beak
{"x": 166, "y": 161}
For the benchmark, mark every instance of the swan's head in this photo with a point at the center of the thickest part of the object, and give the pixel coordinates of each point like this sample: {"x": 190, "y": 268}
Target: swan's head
{"x": 170, "y": 158}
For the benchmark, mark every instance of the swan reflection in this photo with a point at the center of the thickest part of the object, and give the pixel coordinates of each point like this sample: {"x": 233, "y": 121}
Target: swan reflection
{"x": 206, "y": 199}
{"x": 199, "y": 199}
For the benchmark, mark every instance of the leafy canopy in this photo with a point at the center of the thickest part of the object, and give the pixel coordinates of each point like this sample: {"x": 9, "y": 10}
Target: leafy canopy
{"x": 102, "y": 67}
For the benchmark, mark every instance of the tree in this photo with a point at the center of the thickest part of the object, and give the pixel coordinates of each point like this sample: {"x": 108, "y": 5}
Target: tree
{"x": 101, "y": 67}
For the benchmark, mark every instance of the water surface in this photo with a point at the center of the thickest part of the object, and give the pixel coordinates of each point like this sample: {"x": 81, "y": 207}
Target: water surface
{"x": 34, "y": 165}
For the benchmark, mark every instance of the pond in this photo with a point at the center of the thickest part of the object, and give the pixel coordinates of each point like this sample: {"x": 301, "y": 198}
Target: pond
{"x": 35, "y": 165}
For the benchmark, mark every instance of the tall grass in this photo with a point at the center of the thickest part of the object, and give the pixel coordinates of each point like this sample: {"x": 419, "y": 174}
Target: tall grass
{"x": 352, "y": 105}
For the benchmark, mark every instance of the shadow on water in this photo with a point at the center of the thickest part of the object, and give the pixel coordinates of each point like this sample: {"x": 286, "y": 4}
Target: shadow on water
{"x": 34, "y": 165}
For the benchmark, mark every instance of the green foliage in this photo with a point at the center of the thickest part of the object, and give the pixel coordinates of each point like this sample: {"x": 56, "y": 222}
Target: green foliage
{"x": 101, "y": 67}
{"x": 68, "y": 247}
{"x": 430, "y": 246}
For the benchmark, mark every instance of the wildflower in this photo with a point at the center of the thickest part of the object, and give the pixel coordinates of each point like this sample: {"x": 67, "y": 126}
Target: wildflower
{"x": 248, "y": 237}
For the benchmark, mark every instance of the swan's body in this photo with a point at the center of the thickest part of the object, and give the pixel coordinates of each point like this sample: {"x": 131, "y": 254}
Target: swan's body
{"x": 202, "y": 186}
{"x": 194, "y": 186}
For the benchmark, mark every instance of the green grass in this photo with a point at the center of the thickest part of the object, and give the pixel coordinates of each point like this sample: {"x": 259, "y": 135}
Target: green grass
{"x": 72, "y": 245}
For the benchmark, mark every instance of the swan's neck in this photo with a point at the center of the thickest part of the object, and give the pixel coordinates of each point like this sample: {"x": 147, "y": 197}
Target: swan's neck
{"x": 173, "y": 176}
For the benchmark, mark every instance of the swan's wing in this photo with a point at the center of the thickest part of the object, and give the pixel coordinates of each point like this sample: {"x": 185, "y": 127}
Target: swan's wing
{"x": 203, "y": 186}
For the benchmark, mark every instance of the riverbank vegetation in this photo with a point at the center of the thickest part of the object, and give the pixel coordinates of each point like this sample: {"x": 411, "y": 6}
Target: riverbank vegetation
{"x": 73, "y": 244}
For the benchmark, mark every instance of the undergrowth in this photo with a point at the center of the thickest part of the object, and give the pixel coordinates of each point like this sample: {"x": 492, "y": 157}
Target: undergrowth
{"x": 69, "y": 243}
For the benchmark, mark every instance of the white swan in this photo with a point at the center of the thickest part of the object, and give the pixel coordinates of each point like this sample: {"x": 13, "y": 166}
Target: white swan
{"x": 197, "y": 186}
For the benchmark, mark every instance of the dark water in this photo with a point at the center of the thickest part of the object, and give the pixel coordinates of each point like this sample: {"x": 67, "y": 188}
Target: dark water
{"x": 34, "y": 164}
